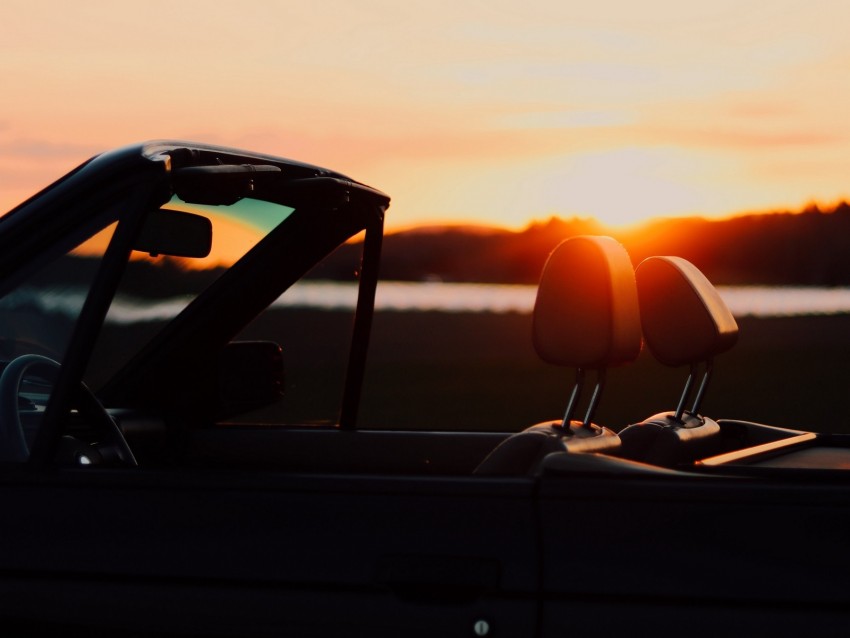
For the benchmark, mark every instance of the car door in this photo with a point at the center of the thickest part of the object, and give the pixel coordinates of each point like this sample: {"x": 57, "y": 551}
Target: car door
{"x": 677, "y": 554}
{"x": 241, "y": 553}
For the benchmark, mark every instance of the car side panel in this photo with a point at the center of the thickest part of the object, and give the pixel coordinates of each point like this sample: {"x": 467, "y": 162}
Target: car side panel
{"x": 230, "y": 553}
{"x": 697, "y": 556}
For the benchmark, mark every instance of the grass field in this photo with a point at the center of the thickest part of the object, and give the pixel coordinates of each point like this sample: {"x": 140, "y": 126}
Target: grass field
{"x": 479, "y": 371}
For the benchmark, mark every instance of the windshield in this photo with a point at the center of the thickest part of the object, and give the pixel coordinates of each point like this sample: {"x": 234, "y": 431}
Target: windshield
{"x": 156, "y": 288}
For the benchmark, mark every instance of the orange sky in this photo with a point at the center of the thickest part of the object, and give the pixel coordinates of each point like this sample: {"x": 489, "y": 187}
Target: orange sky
{"x": 496, "y": 112}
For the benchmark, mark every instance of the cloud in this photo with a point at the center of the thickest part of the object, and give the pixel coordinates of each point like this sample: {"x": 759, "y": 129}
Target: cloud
{"x": 746, "y": 122}
{"x": 28, "y": 165}
{"x": 35, "y": 149}
{"x": 736, "y": 138}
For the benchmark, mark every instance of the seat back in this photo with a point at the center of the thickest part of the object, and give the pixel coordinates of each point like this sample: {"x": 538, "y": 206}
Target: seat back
{"x": 683, "y": 316}
{"x": 586, "y": 311}
{"x": 586, "y": 317}
{"x": 685, "y": 322}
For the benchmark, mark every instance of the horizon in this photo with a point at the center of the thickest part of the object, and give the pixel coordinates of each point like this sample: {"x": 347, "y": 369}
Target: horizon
{"x": 463, "y": 114}
{"x": 436, "y": 225}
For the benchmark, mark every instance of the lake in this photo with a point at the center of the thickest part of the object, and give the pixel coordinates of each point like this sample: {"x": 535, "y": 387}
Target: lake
{"x": 399, "y": 296}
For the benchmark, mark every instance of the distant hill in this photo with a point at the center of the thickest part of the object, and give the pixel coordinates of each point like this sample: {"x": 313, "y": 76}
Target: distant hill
{"x": 807, "y": 248}
{"x": 810, "y": 247}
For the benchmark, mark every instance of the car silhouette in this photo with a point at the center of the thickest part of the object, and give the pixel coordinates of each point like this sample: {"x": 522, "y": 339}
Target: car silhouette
{"x": 163, "y": 477}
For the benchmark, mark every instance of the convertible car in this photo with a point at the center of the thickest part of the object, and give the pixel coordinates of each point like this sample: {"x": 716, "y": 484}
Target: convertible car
{"x": 164, "y": 477}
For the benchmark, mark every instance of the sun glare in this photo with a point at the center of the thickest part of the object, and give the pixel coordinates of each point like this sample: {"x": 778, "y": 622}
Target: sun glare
{"x": 623, "y": 186}
{"x": 619, "y": 187}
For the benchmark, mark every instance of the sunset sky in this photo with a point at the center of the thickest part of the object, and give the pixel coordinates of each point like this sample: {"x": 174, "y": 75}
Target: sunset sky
{"x": 493, "y": 112}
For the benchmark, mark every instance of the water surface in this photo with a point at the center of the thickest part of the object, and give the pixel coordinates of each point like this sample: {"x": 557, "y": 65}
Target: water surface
{"x": 744, "y": 301}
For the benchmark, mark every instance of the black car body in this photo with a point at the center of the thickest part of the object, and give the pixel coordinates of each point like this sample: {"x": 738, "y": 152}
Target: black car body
{"x": 174, "y": 513}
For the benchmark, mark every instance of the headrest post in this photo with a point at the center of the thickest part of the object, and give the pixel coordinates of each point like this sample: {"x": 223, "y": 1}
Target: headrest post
{"x": 709, "y": 366}
{"x": 594, "y": 400}
{"x": 686, "y": 393}
{"x": 571, "y": 406}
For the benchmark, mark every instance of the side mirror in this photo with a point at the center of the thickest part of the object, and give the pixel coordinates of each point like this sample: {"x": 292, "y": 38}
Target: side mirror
{"x": 175, "y": 233}
{"x": 250, "y": 376}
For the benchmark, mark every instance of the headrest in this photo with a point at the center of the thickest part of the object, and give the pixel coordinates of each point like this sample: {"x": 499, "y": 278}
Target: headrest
{"x": 684, "y": 319}
{"x": 586, "y": 313}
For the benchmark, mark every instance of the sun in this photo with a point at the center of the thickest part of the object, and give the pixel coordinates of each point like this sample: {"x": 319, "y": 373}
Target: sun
{"x": 618, "y": 186}
{"x": 622, "y": 187}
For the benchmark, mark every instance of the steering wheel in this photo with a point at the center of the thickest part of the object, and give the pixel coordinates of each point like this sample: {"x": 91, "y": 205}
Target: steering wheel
{"x": 13, "y": 444}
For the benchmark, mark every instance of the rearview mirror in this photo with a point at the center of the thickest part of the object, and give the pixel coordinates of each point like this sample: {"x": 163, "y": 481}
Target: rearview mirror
{"x": 175, "y": 233}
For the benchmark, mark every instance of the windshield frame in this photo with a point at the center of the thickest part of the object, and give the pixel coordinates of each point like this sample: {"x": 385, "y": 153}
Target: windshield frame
{"x": 123, "y": 185}
{"x": 189, "y": 341}
{"x": 90, "y": 321}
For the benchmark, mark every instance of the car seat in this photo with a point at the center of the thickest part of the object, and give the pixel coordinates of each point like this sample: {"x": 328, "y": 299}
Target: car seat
{"x": 685, "y": 321}
{"x": 585, "y": 317}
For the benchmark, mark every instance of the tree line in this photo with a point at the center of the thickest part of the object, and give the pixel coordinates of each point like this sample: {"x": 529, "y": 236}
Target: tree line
{"x": 807, "y": 248}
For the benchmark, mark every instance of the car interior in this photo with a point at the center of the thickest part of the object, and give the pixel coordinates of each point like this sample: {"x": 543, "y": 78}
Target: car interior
{"x": 593, "y": 311}
{"x": 179, "y": 401}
